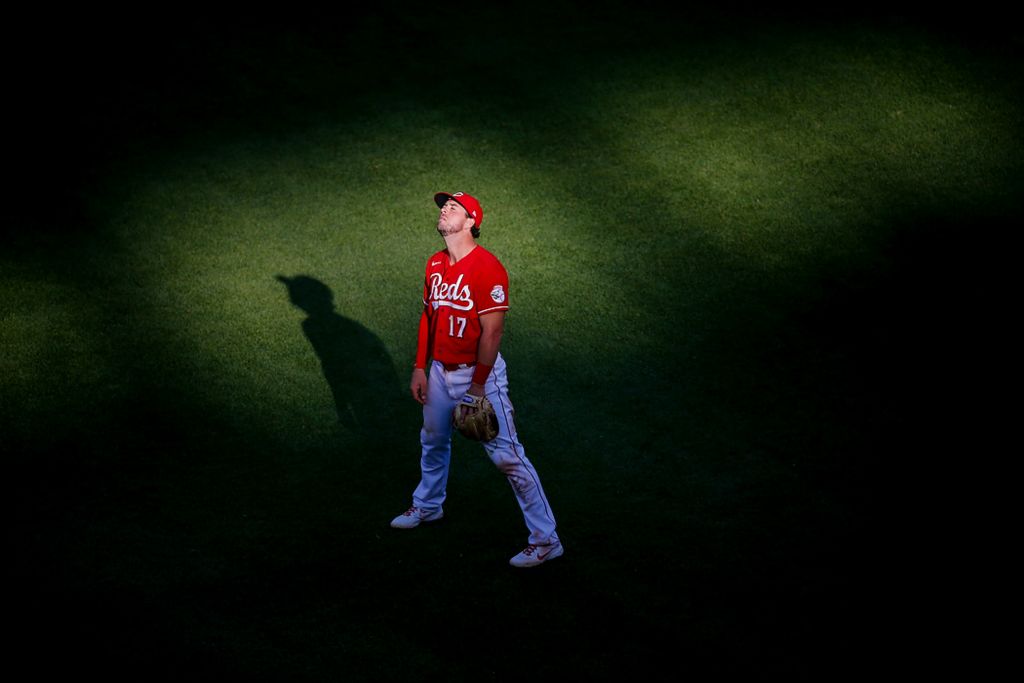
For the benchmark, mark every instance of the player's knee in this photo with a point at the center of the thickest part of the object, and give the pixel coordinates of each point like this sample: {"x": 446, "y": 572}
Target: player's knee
{"x": 504, "y": 460}
{"x": 431, "y": 434}
{"x": 510, "y": 465}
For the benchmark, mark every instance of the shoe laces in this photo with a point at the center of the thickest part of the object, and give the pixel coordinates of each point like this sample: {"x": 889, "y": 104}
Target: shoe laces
{"x": 411, "y": 511}
{"x": 529, "y": 549}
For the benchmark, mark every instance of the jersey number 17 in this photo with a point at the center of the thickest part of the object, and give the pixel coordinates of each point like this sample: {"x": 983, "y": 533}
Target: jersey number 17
{"x": 452, "y": 324}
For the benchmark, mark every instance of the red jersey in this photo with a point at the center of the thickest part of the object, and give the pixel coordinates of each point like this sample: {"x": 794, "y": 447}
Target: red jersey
{"x": 456, "y": 295}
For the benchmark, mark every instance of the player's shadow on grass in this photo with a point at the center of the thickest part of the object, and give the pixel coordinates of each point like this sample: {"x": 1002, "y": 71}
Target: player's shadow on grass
{"x": 355, "y": 363}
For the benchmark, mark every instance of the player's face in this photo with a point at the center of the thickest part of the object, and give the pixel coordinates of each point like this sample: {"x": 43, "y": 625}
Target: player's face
{"x": 453, "y": 219}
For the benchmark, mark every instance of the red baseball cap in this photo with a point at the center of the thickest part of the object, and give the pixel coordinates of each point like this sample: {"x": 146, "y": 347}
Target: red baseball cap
{"x": 468, "y": 202}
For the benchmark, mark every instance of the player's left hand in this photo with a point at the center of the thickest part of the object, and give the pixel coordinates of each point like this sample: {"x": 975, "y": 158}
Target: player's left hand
{"x": 468, "y": 408}
{"x": 475, "y": 418}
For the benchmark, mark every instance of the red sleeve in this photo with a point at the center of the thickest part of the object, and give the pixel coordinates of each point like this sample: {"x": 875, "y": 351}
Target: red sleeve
{"x": 423, "y": 338}
{"x": 423, "y": 342}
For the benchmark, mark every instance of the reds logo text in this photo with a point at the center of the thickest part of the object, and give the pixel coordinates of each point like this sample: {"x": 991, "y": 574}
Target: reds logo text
{"x": 453, "y": 294}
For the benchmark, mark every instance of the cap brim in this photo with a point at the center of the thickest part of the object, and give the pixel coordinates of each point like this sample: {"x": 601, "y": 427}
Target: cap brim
{"x": 441, "y": 197}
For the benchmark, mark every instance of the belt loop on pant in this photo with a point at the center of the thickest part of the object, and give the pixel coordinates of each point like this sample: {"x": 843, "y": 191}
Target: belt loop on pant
{"x": 458, "y": 366}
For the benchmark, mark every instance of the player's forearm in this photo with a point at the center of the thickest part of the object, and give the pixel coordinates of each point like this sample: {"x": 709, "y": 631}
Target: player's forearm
{"x": 492, "y": 326}
{"x": 487, "y": 349}
{"x": 423, "y": 342}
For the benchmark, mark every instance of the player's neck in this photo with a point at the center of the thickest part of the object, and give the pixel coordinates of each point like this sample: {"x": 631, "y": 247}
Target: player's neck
{"x": 459, "y": 246}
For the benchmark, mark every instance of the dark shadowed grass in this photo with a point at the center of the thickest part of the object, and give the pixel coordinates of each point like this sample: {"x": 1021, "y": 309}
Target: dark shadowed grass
{"x": 739, "y": 248}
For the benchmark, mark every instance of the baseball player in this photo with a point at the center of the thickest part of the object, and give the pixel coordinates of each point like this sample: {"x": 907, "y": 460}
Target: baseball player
{"x": 465, "y": 297}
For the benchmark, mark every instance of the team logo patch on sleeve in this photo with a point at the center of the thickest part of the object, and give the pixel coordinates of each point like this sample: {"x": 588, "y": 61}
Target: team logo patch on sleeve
{"x": 498, "y": 294}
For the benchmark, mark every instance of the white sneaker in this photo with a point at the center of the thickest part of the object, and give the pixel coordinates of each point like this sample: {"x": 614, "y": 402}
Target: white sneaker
{"x": 537, "y": 554}
{"x": 412, "y": 517}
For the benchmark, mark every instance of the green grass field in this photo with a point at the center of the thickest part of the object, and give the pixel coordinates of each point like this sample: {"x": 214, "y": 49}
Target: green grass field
{"x": 755, "y": 262}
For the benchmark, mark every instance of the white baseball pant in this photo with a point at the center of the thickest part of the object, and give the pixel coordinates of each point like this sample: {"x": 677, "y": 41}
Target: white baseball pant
{"x": 444, "y": 389}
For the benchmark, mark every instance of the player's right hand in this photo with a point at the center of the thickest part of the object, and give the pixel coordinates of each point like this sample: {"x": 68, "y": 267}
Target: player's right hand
{"x": 418, "y": 385}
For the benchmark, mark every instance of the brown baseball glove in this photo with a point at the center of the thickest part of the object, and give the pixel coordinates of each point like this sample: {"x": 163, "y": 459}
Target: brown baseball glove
{"x": 475, "y": 418}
